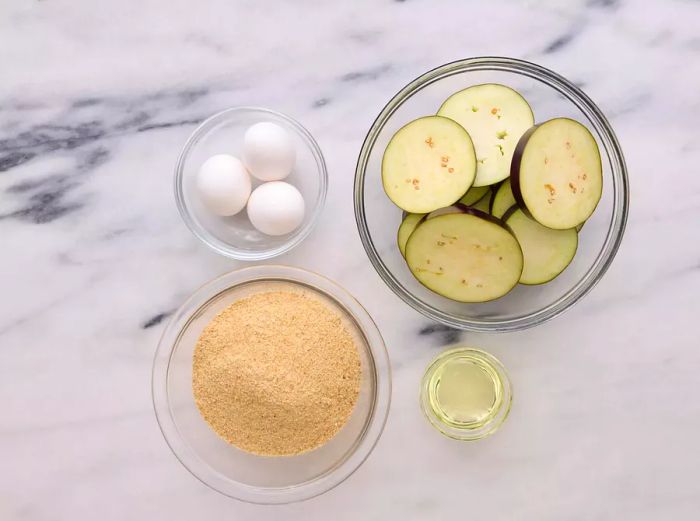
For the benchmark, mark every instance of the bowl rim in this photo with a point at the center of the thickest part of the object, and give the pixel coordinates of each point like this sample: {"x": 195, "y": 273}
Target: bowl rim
{"x": 350, "y": 462}
{"x": 620, "y": 192}
{"x": 222, "y": 247}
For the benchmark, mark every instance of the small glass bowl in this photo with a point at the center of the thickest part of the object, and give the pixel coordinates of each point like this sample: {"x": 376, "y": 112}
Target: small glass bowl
{"x": 475, "y": 429}
{"x": 550, "y": 95}
{"x": 232, "y": 471}
{"x": 235, "y": 236}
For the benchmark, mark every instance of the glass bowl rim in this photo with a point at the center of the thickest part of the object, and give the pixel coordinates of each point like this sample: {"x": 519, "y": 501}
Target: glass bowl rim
{"x": 620, "y": 207}
{"x": 222, "y": 247}
{"x": 351, "y": 461}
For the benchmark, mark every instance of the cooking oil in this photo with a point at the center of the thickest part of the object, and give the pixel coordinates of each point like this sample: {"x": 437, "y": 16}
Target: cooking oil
{"x": 466, "y": 393}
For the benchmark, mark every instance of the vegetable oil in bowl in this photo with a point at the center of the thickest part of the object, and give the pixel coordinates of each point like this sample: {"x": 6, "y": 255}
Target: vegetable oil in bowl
{"x": 466, "y": 394}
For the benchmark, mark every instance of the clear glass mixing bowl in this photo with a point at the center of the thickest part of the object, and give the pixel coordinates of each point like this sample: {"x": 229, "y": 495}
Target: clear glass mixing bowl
{"x": 246, "y": 476}
{"x": 550, "y": 95}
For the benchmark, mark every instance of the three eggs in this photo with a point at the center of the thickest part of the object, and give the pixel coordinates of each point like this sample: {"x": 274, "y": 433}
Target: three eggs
{"x": 225, "y": 187}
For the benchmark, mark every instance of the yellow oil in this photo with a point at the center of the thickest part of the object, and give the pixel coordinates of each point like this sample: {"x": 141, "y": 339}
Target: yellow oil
{"x": 465, "y": 391}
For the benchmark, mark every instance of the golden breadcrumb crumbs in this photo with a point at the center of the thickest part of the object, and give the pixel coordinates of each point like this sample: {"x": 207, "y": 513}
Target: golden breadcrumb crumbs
{"x": 276, "y": 373}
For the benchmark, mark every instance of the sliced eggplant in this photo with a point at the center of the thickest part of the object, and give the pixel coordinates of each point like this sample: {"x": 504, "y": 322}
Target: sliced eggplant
{"x": 467, "y": 257}
{"x": 495, "y": 117}
{"x": 502, "y": 200}
{"x": 483, "y": 203}
{"x": 429, "y": 163}
{"x": 557, "y": 174}
{"x": 406, "y": 229}
{"x": 453, "y": 208}
{"x": 459, "y": 207}
{"x": 474, "y": 195}
{"x": 547, "y": 252}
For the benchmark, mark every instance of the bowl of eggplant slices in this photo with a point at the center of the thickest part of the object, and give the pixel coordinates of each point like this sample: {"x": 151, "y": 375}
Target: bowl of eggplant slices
{"x": 491, "y": 194}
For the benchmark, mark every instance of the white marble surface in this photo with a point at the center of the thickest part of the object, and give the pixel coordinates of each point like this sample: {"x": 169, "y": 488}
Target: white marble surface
{"x": 96, "y": 99}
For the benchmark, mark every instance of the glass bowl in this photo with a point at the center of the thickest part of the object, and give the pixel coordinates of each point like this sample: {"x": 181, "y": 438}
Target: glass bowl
{"x": 550, "y": 95}
{"x": 479, "y": 425}
{"x": 246, "y": 476}
{"x": 235, "y": 236}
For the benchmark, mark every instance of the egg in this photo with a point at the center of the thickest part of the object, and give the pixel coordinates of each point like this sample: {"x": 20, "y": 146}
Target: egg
{"x": 223, "y": 184}
{"x": 276, "y": 208}
{"x": 268, "y": 151}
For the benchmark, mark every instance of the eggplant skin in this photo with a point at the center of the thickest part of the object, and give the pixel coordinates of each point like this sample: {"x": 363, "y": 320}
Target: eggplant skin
{"x": 478, "y": 213}
{"x": 510, "y": 211}
{"x": 515, "y": 168}
{"x": 488, "y": 217}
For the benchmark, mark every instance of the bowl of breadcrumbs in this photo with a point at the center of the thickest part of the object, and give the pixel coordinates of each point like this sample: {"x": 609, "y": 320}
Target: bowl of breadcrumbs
{"x": 271, "y": 384}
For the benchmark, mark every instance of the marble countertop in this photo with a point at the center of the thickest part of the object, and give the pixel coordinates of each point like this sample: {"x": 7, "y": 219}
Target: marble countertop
{"x": 96, "y": 100}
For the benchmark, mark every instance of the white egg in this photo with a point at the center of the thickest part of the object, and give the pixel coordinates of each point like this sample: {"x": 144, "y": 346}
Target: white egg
{"x": 223, "y": 184}
{"x": 268, "y": 151}
{"x": 276, "y": 208}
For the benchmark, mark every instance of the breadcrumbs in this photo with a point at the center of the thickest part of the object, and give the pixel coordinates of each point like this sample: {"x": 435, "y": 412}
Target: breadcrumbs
{"x": 276, "y": 373}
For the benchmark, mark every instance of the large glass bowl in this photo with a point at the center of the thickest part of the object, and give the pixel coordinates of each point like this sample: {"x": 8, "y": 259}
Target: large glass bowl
{"x": 550, "y": 95}
{"x": 246, "y": 476}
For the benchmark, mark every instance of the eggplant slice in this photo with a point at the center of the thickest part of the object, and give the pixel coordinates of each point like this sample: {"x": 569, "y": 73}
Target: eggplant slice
{"x": 429, "y": 163}
{"x": 467, "y": 257}
{"x": 406, "y": 228}
{"x": 502, "y": 200}
{"x": 495, "y": 117}
{"x": 547, "y": 252}
{"x": 557, "y": 174}
{"x": 483, "y": 203}
{"x": 474, "y": 195}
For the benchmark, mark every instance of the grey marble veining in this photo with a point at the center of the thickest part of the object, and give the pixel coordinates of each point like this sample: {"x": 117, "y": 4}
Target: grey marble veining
{"x": 96, "y": 100}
